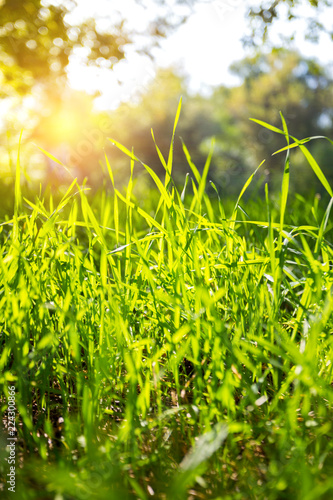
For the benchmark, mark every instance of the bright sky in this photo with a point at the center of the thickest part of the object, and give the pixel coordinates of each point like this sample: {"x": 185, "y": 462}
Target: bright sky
{"x": 203, "y": 48}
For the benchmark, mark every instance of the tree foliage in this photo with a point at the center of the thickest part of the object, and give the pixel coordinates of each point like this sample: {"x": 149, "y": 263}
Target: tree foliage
{"x": 37, "y": 41}
{"x": 38, "y": 38}
{"x": 279, "y": 81}
{"x": 264, "y": 16}
{"x": 156, "y": 111}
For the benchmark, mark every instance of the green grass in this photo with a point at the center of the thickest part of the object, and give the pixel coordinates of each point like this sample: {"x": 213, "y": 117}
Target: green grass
{"x": 173, "y": 351}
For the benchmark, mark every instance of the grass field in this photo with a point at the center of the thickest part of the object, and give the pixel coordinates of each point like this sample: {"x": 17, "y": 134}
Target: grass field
{"x": 169, "y": 349}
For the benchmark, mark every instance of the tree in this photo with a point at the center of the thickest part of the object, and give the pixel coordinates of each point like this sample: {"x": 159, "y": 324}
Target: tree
{"x": 279, "y": 81}
{"x": 269, "y": 12}
{"x": 156, "y": 110}
{"x": 77, "y": 135}
{"x": 37, "y": 39}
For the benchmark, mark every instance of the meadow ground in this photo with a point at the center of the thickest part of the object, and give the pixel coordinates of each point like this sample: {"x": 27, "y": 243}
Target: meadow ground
{"x": 170, "y": 347}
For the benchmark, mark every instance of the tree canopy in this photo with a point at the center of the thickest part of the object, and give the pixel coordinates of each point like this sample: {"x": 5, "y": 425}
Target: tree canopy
{"x": 264, "y": 16}
{"x": 38, "y": 37}
{"x": 278, "y": 81}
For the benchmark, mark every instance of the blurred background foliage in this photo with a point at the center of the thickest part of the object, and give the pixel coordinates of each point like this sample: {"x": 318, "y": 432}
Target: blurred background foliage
{"x": 37, "y": 40}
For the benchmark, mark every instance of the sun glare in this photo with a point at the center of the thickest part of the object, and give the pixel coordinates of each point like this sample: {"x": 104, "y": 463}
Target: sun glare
{"x": 65, "y": 125}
